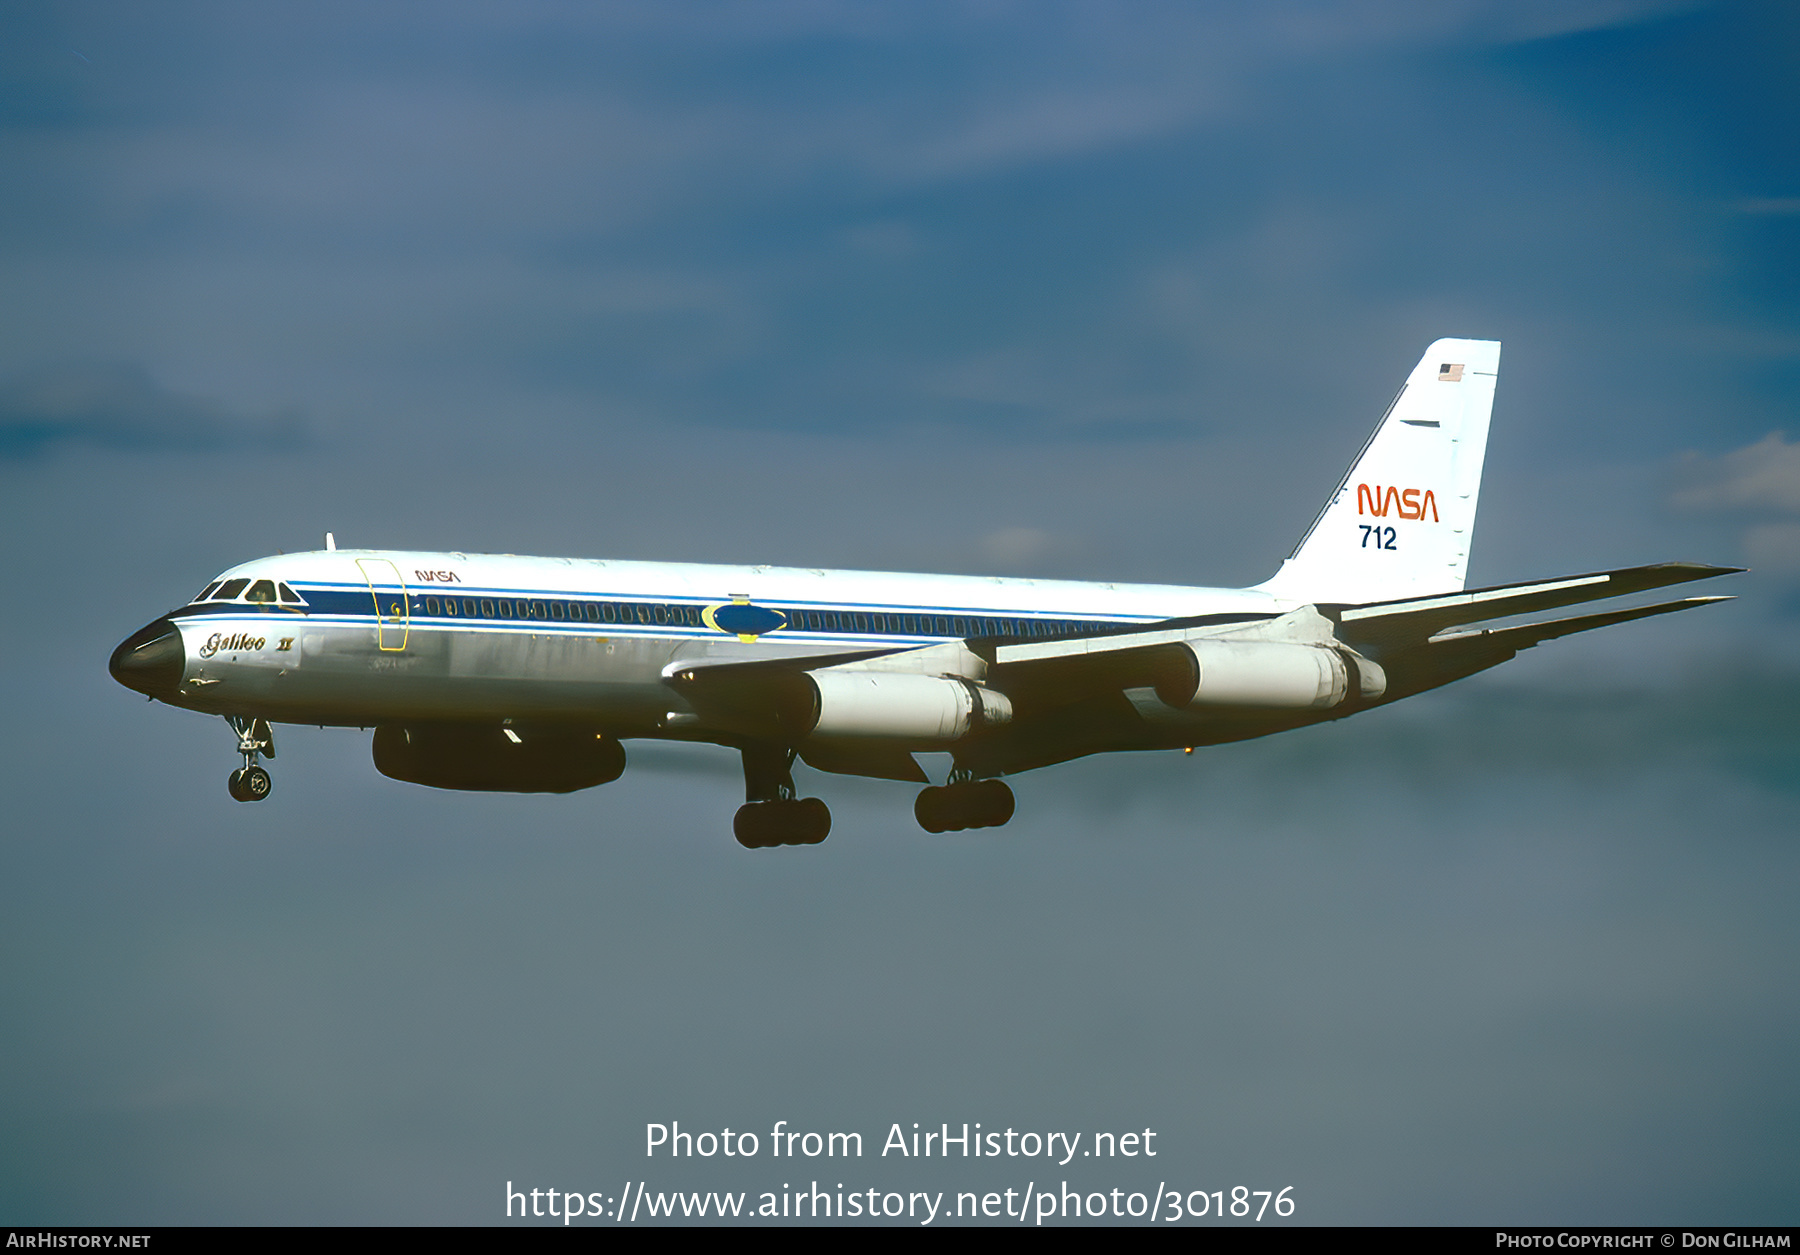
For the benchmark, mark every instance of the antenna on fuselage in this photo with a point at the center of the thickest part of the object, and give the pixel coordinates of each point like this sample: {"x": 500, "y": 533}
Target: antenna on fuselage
{"x": 330, "y": 543}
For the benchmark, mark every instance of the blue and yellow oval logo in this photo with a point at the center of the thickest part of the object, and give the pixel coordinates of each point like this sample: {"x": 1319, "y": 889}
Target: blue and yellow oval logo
{"x": 743, "y": 620}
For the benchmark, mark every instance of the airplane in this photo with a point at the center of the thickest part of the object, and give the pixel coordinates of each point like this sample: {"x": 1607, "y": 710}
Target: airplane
{"x": 525, "y": 674}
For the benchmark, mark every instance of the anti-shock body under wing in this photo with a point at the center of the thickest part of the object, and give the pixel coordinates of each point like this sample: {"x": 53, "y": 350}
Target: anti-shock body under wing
{"x": 1400, "y": 523}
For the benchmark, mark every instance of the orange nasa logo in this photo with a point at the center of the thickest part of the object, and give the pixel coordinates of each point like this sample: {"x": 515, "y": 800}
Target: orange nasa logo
{"x": 1406, "y": 503}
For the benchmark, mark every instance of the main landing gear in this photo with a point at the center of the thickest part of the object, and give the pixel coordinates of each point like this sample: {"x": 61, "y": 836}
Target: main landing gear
{"x": 964, "y": 804}
{"x": 250, "y": 783}
{"x": 773, "y": 815}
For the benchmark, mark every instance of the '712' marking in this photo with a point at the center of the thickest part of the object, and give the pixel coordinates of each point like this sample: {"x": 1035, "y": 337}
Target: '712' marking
{"x": 1383, "y": 536}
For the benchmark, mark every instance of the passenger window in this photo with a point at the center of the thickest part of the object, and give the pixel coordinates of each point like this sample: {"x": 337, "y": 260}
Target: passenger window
{"x": 230, "y": 589}
{"x": 487, "y": 609}
{"x": 208, "y": 591}
{"x": 450, "y": 605}
{"x": 643, "y": 614}
{"x": 609, "y": 613}
{"x": 431, "y": 605}
{"x": 557, "y": 610}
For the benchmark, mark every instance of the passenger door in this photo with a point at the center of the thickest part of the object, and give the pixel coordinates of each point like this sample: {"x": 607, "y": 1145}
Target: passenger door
{"x": 393, "y": 618}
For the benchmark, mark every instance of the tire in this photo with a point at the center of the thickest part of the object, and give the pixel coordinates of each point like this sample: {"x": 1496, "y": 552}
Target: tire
{"x": 928, "y": 809}
{"x": 255, "y": 785}
{"x": 233, "y": 786}
{"x": 996, "y": 804}
{"x": 814, "y": 821}
{"x": 750, "y": 826}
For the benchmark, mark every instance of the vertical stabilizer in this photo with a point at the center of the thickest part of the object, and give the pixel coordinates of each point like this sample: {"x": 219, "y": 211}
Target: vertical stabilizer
{"x": 1401, "y": 522}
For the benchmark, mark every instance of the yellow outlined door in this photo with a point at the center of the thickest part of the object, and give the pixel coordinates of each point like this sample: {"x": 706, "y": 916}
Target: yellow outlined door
{"x": 393, "y": 620}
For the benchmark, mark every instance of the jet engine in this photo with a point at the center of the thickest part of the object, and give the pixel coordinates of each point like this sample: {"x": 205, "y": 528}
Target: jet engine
{"x": 496, "y": 759}
{"x": 1265, "y": 675}
{"x": 889, "y": 704}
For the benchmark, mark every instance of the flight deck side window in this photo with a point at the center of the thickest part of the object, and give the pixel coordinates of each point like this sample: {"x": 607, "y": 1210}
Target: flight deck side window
{"x": 208, "y": 591}
{"x": 261, "y": 592}
{"x": 230, "y": 589}
{"x": 289, "y": 596}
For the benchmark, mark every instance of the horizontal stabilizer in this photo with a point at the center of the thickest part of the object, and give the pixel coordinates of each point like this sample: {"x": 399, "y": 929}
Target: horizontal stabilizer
{"x": 1399, "y": 623}
{"x": 1527, "y": 635}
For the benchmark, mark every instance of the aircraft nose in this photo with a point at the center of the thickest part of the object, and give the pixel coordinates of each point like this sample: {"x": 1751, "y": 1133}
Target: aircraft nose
{"x": 150, "y": 660}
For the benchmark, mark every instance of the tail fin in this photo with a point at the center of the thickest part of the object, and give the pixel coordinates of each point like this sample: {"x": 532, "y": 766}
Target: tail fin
{"x": 1400, "y": 523}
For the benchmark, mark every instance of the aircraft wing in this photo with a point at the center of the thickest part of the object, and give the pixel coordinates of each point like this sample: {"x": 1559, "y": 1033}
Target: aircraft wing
{"x": 1417, "y": 643}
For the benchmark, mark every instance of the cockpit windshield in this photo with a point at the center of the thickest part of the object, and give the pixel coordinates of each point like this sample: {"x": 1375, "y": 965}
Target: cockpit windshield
{"x": 208, "y": 590}
{"x": 229, "y": 590}
{"x": 261, "y": 591}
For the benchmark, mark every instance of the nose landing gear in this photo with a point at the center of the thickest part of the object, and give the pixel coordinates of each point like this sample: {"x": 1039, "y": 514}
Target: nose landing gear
{"x": 250, "y": 783}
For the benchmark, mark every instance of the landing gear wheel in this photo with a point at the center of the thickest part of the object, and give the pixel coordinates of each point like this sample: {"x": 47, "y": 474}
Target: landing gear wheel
{"x": 249, "y": 784}
{"x": 255, "y": 784}
{"x": 996, "y": 802}
{"x": 815, "y": 820}
{"x": 966, "y": 804}
{"x": 929, "y": 810}
{"x": 760, "y": 825}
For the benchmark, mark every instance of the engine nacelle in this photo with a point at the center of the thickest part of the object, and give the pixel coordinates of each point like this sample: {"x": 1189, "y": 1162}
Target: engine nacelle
{"x": 892, "y": 705}
{"x": 484, "y": 757}
{"x": 1263, "y": 675}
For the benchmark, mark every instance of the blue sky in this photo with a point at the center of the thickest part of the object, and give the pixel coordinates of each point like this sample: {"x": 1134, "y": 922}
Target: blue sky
{"x": 1103, "y": 291}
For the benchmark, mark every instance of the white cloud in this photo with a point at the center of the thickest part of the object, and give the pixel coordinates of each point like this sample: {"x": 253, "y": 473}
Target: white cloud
{"x": 1762, "y": 476}
{"x": 1773, "y": 547}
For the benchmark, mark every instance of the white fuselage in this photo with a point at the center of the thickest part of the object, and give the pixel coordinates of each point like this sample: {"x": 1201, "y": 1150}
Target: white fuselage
{"x": 379, "y": 634}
